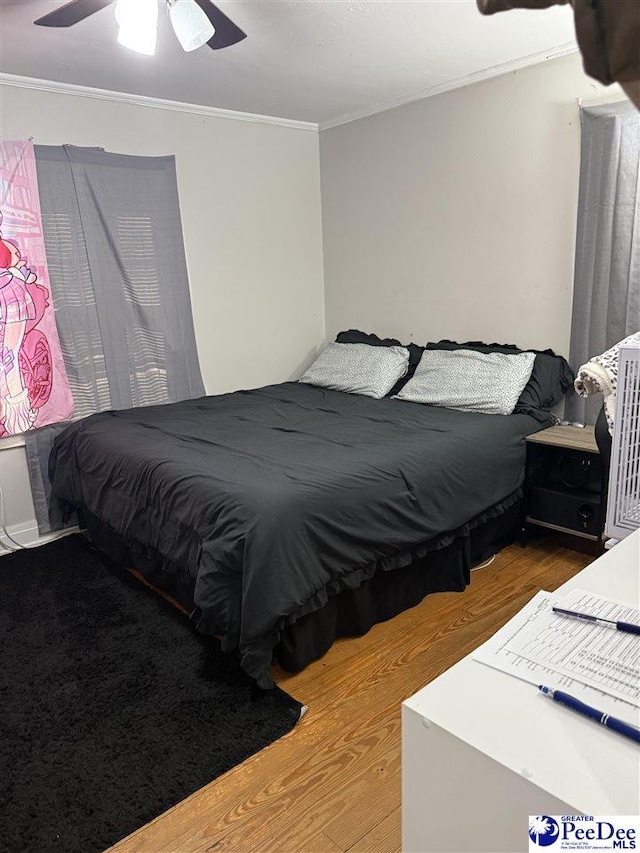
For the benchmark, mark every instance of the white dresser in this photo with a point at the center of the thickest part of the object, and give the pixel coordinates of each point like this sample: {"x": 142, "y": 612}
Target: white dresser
{"x": 482, "y": 750}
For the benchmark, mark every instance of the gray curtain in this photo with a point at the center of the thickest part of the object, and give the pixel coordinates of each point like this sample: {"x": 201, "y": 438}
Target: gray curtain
{"x": 606, "y": 291}
{"x": 119, "y": 283}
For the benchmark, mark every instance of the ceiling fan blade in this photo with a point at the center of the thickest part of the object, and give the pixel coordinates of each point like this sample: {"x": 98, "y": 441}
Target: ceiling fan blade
{"x": 226, "y": 32}
{"x": 71, "y": 13}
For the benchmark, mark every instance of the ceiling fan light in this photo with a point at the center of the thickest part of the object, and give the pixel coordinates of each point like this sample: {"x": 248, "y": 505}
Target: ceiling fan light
{"x": 190, "y": 24}
{"x": 138, "y": 20}
{"x": 136, "y": 40}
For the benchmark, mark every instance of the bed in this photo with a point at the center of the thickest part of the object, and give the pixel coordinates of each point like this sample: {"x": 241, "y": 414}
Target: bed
{"x": 284, "y": 516}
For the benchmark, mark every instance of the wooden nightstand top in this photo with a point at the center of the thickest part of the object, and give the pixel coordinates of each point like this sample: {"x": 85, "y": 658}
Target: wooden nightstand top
{"x": 573, "y": 438}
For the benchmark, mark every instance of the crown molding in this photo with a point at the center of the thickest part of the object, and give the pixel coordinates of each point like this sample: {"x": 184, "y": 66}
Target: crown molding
{"x": 458, "y": 83}
{"x": 232, "y": 115}
{"x": 20, "y": 82}
{"x": 606, "y": 99}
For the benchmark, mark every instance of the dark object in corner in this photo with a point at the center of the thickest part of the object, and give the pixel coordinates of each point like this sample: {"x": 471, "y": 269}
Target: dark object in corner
{"x": 608, "y": 34}
{"x": 603, "y": 440}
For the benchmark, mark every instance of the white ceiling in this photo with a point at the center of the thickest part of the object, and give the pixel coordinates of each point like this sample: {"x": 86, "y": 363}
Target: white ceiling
{"x": 319, "y": 61}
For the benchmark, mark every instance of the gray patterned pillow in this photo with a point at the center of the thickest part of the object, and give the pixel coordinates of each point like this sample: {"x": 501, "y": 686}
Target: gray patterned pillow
{"x": 469, "y": 380}
{"x": 358, "y": 369}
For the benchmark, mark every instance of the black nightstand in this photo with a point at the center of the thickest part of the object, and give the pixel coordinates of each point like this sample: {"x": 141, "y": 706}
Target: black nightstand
{"x": 565, "y": 485}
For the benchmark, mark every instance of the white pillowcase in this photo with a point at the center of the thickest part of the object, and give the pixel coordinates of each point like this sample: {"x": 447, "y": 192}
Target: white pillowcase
{"x": 358, "y": 369}
{"x": 470, "y": 381}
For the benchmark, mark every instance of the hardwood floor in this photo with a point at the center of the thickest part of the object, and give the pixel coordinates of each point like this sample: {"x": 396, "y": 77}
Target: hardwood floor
{"x": 333, "y": 783}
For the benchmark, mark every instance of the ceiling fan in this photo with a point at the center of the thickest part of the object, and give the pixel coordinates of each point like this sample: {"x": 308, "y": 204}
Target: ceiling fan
{"x": 195, "y": 22}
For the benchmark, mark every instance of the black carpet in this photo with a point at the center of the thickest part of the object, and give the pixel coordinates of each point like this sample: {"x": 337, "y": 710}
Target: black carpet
{"x": 112, "y": 708}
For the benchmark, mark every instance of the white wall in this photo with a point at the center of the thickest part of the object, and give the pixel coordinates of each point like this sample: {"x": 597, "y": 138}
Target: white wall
{"x": 250, "y": 204}
{"x": 454, "y": 217}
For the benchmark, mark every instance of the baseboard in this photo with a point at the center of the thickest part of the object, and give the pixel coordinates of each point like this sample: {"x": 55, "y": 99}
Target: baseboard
{"x": 28, "y": 536}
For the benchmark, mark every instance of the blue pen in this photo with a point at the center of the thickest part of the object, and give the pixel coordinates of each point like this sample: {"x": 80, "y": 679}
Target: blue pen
{"x": 605, "y": 719}
{"x": 629, "y": 627}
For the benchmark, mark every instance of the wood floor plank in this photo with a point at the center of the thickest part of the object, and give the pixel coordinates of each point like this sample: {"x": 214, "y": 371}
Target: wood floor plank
{"x": 383, "y": 838}
{"x": 310, "y": 787}
{"x": 364, "y": 812}
{"x": 321, "y": 844}
{"x": 332, "y": 808}
{"x": 357, "y": 753}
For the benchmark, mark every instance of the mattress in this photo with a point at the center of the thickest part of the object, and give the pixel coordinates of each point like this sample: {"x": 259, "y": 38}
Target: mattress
{"x": 273, "y": 500}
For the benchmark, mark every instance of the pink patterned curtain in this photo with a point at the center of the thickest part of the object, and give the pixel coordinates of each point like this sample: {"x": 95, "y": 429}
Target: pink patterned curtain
{"x": 34, "y": 390}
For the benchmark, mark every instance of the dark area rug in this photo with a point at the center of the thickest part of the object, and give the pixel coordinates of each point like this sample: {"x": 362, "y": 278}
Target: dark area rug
{"x": 112, "y": 707}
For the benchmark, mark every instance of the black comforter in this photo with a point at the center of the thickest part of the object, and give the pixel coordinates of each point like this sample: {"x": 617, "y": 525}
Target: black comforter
{"x": 276, "y": 498}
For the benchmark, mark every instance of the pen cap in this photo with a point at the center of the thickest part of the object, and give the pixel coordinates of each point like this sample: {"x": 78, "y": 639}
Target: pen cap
{"x": 629, "y": 627}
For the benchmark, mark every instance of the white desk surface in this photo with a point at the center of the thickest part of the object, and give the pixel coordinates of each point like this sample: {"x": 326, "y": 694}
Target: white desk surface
{"x": 570, "y": 756}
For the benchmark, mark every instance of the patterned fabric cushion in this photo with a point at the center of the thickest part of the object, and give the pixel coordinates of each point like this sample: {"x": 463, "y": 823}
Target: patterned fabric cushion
{"x": 470, "y": 381}
{"x": 355, "y": 336}
{"x": 550, "y": 378}
{"x": 600, "y": 374}
{"x": 358, "y": 369}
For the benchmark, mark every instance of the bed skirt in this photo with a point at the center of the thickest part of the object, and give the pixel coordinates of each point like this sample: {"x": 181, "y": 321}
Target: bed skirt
{"x": 446, "y": 567}
{"x": 353, "y": 612}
